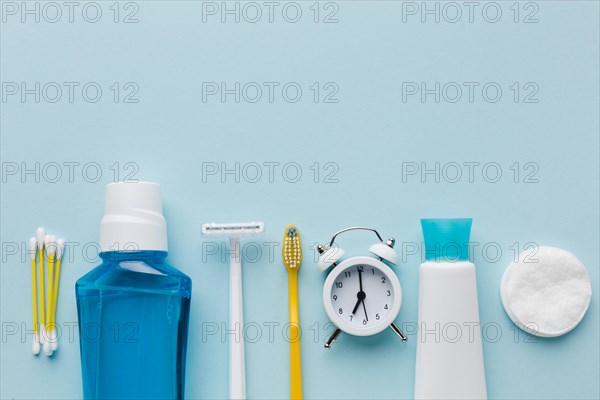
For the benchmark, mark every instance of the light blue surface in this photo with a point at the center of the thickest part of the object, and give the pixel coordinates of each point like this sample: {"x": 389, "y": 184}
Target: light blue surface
{"x": 374, "y": 140}
{"x": 446, "y": 238}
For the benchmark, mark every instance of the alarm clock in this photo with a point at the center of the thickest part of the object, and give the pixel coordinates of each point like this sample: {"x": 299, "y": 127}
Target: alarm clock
{"x": 362, "y": 295}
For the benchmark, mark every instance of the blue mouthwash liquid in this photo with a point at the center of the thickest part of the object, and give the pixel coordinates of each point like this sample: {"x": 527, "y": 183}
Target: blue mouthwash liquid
{"x": 133, "y": 324}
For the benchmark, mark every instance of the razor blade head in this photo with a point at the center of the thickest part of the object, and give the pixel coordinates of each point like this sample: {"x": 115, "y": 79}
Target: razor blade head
{"x": 233, "y": 230}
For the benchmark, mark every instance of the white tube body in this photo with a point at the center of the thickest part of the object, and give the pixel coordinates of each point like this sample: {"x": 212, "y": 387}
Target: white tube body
{"x": 449, "y": 350}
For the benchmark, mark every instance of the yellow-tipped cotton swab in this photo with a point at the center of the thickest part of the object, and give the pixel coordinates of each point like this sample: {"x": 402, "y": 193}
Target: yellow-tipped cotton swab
{"x": 42, "y": 296}
{"x": 50, "y": 244}
{"x": 60, "y": 246}
{"x": 35, "y": 346}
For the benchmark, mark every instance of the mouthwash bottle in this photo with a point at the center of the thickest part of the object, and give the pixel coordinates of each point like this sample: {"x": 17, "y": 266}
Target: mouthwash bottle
{"x": 134, "y": 308}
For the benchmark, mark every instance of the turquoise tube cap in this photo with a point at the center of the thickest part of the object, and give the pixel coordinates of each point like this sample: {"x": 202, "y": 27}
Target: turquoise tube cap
{"x": 446, "y": 239}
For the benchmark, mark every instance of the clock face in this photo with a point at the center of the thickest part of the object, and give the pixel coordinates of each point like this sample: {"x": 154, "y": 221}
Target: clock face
{"x": 362, "y": 296}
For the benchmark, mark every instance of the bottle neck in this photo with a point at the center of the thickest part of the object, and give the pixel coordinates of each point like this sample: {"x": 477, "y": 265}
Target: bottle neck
{"x": 143, "y": 255}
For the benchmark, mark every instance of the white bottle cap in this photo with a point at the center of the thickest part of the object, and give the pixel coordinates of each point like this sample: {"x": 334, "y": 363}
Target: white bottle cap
{"x": 133, "y": 218}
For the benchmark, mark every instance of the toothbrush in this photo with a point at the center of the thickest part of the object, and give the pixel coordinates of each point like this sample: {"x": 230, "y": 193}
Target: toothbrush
{"x": 40, "y": 235}
{"x": 60, "y": 246}
{"x": 292, "y": 259}
{"x": 50, "y": 244}
{"x": 35, "y": 346}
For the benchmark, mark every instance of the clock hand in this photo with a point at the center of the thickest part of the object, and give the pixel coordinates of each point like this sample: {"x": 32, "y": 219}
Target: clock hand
{"x": 356, "y": 306}
{"x": 360, "y": 278}
{"x": 365, "y": 308}
{"x": 361, "y": 297}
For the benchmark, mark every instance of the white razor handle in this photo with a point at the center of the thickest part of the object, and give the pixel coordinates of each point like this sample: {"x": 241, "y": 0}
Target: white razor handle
{"x": 237, "y": 370}
{"x": 237, "y": 374}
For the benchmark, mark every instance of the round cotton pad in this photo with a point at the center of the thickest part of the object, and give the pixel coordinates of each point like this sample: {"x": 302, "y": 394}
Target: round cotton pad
{"x": 546, "y": 292}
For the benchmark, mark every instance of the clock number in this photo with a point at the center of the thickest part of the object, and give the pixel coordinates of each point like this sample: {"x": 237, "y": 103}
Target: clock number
{"x": 351, "y": 317}
{"x": 360, "y": 268}
{"x": 341, "y": 311}
{"x": 383, "y": 279}
{"x": 373, "y": 270}
{"x": 385, "y": 307}
{"x": 377, "y": 316}
{"x": 389, "y": 293}
{"x": 364, "y": 321}
{"x": 338, "y": 285}
{"x": 335, "y": 296}
{"x": 347, "y": 274}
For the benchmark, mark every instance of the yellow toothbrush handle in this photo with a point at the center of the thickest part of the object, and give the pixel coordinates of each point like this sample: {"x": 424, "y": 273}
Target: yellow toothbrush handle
{"x": 295, "y": 359}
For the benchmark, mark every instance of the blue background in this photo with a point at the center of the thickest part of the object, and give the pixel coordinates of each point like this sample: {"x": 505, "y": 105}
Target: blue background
{"x": 368, "y": 134}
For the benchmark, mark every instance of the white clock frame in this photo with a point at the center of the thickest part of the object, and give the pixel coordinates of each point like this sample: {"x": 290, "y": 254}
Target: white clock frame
{"x": 344, "y": 325}
{"x": 330, "y": 256}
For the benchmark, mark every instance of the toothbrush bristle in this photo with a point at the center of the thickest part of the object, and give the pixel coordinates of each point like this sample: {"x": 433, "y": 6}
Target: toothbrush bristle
{"x": 292, "y": 248}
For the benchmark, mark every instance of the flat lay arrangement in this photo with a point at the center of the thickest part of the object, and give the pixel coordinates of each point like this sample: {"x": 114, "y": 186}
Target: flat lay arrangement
{"x": 362, "y": 296}
{"x": 322, "y": 200}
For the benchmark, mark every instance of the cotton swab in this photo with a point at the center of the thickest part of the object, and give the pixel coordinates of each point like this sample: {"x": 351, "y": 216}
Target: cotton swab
{"x": 40, "y": 235}
{"x": 50, "y": 244}
{"x": 35, "y": 346}
{"x": 60, "y": 246}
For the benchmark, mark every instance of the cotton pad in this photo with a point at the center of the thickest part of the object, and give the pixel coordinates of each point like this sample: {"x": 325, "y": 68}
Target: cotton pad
{"x": 546, "y": 292}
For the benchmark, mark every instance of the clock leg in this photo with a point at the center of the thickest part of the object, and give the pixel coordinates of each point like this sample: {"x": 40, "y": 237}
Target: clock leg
{"x": 398, "y": 332}
{"x": 332, "y": 338}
